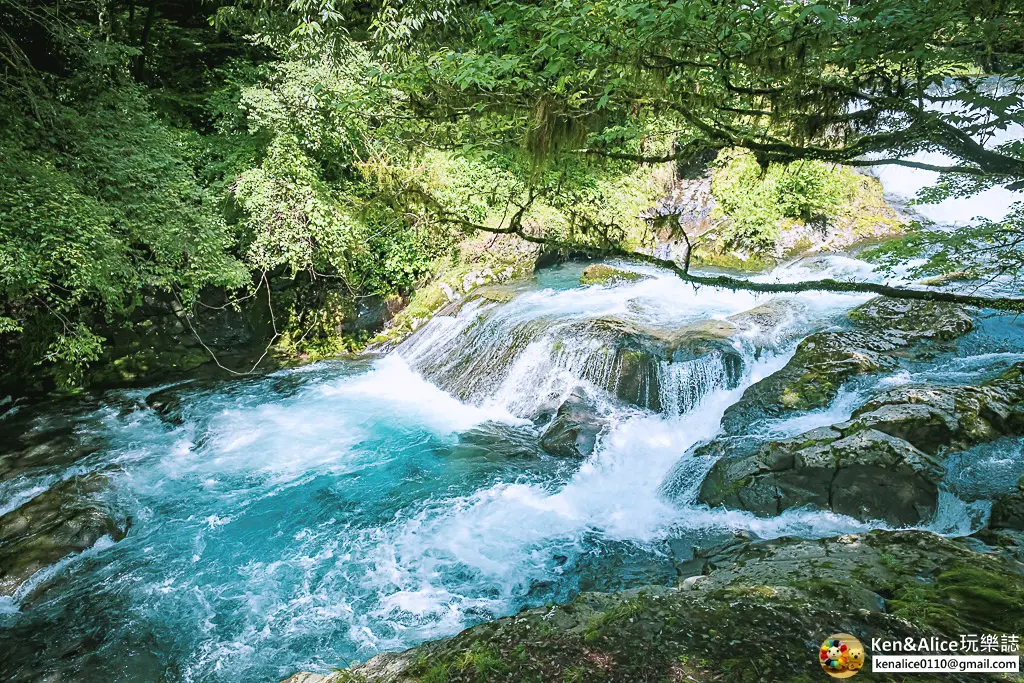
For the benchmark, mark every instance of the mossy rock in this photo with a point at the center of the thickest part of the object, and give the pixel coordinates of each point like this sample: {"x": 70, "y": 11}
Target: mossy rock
{"x": 785, "y": 595}
{"x": 68, "y": 518}
{"x": 883, "y": 463}
{"x": 603, "y": 274}
{"x": 883, "y": 330}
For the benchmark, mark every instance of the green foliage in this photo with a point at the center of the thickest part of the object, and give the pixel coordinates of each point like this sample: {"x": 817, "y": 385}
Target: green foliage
{"x": 758, "y": 200}
{"x": 993, "y": 250}
{"x": 96, "y": 204}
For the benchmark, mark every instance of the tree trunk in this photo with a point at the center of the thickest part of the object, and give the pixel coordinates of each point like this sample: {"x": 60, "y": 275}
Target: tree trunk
{"x": 147, "y": 28}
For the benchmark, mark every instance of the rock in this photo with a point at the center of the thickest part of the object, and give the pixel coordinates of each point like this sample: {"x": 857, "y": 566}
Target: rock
{"x": 602, "y": 274}
{"x": 914, "y": 319}
{"x": 304, "y": 677}
{"x": 785, "y": 595}
{"x": 496, "y": 293}
{"x": 883, "y": 329}
{"x": 633, "y": 363}
{"x": 574, "y": 431}
{"x": 168, "y": 402}
{"x": 66, "y": 519}
{"x": 769, "y": 315}
{"x": 881, "y": 464}
{"x": 44, "y": 438}
{"x": 626, "y": 360}
{"x": 866, "y": 474}
{"x": 497, "y": 441}
{"x": 812, "y": 378}
{"x": 1008, "y": 510}
{"x": 374, "y": 311}
{"x": 951, "y": 418}
{"x": 709, "y": 339}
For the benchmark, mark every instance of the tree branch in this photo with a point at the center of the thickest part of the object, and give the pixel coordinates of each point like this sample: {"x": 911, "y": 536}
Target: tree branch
{"x": 732, "y": 283}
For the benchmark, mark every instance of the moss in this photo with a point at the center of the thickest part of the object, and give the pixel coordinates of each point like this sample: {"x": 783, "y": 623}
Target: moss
{"x": 964, "y": 598}
{"x": 718, "y": 256}
{"x": 482, "y": 660}
{"x": 602, "y": 274}
{"x": 475, "y": 268}
{"x": 625, "y": 610}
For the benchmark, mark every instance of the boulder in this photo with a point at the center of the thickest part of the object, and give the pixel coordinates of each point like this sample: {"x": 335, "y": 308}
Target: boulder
{"x": 44, "y": 438}
{"x": 169, "y": 402}
{"x": 573, "y": 432}
{"x": 949, "y": 418}
{"x": 633, "y": 363}
{"x": 883, "y": 330}
{"x": 625, "y": 362}
{"x": 864, "y": 473}
{"x": 66, "y": 519}
{"x": 771, "y": 317}
{"x": 603, "y": 274}
{"x": 496, "y": 441}
{"x": 705, "y": 339}
{"x": 912, "y": 319}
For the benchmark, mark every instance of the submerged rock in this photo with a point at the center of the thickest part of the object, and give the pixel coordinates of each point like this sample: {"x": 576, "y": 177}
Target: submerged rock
{"x": 784, "y": 595}
{"x": 44, "y": 438}
{"x": 883, "y": 330}
{"x": 771, "y": 317}
{"x": 66, "y": 519}
{"x": 497, "y": 441}
{"x": 624, "y": 360}
{"x": 574, "y": 431}
{"x": 603, "y": 274}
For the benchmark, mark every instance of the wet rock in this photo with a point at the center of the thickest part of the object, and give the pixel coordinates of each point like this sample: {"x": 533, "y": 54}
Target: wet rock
{"x": 602, "y": 274}
{"x": 168, "y": 403}
{"x": 914, "y": 320}
{"x": 709, "y": 338}
{"x": 884, "y": 329}
{"x": 498, "y": 441}
{"x": 1008, "y": 510}
{"x": 632, "y": 362}
{"x": 66, "y": 519}
{"x": 778, "y": 594}
{"x": 770, "y": 315}
{"x": 574, "y": 431}
{"x": 625, "y": 362}
{"x": 866, "y": 474}
{"x": 883, "y": 463}
{"x": 812, "y": 378}
{"x": 45, "y": 438}
{"x": 950, "y": 418}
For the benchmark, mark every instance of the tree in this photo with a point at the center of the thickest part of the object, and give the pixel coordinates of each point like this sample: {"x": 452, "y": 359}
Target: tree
{"x": 655, "y": 81}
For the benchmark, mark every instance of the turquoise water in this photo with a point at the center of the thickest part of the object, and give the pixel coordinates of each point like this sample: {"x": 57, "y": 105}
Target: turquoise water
{"x": 321, "y": 515}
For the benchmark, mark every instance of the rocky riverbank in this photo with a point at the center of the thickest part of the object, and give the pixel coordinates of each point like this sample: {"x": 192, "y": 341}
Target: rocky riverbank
{"x": 753, "y": 611}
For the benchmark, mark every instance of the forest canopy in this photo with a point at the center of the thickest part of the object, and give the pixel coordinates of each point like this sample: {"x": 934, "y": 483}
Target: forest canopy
{"x": 179, "y": 145}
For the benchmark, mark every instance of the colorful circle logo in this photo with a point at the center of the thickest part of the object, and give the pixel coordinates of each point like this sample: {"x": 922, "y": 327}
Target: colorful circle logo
{"x": 841, "y": 655}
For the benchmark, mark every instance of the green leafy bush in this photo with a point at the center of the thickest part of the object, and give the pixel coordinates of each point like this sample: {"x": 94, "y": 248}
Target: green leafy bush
{"x": 757, "y": 201}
